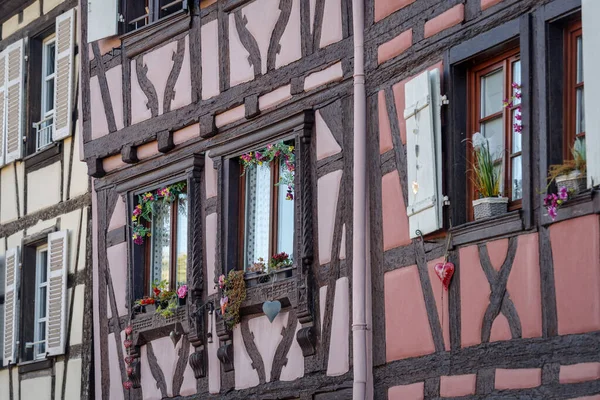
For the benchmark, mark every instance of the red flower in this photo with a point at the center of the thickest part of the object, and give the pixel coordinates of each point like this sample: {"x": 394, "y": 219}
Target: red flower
{"x": 127, "y": 343}
{"x": 156, "y": 291}
{"x": 128, "y": 330}
{"x": 128, "y": 360}
{"x": 127, "y": 385}
{"x": 129, "y": 371}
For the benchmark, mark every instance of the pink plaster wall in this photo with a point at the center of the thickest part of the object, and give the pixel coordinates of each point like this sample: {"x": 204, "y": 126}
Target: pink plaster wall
{"x": 328, "y": 188}
{"x": 119, "y": 217}
{"x": 441, "y": 300}
{"x": 188, "y": 387}
{"x": 275, "y": 97}
{"x": 339, "y": 345}
{"x": 183, "y": 86}
{"x": 229, "y": 116}
{"x": 385, "y": 130}
{"x": 407, "y": 331}
{"x": 383, "y": 8}
{"x": 240, "y": 69}
{"x": 139, "y": 102}
{"x": 331, "y": 31}
{"x": 214, "y": 365}
{"x": 99, "y": 123}
{"x": 115, "y": 389}
{"x": 262, "y": 15}
{"x": 474, "y": 296}
{"x": 518, "y": 378}
{"x": 500, "y": 329}
{"x": 395, "y": 221}
{"x": 267, "y": 336}
{"x": 326, "y": 143}
{"x": 211, "y": 248}
{"x": 167, "y": 356}
{"x": 160, "y": 63}
{"x": 291, "y": 45}
{"x": 112, "y": 163}
{"x": 497, "y": 250}
{"x": 485, "y": 4}
{"x": 447, "y": 19}
{"x": 579, "y": 372}
{"x": 576, "y": 259}
{"x": 398, "y": 90}
{"x": 117, "y": 262}
{"x": 457, "y": 385}
{"x": 395, "y": 46}
{"x": 588, "y": 398}
{"x": 330, "y": 74}
{"x": 245, "y": 376}
{"x": 147, "y": 380}
{"x": 210, "y": 174}
{"x": 114, "y": 77}
{"x": 106, "y": 45}
{"x": 210, "y": 61}
{"x": 343, "y": 243}
{"x": 147, "y": 150}
{"x": 184, "y": 134}
{"x": 294, "y": 368}
{"x": 407, "y": 392}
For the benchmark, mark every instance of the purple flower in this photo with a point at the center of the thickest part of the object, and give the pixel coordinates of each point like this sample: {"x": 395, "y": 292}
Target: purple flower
{"x": 182, "y": 291}
{"x": 563, "y": 193}
{"x": 552, "y": 212}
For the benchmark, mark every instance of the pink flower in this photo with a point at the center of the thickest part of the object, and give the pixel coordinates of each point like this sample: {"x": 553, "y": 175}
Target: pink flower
{"x": 128, "y": 360}
{"x": 127, "y": 385}
{"x": 518, "y": 116}
{"x": 182, "y": 291}
{"x": 137, "y": 211}
{"x": 563, "y": 193}
{"x": 138, "y": 240}
{"x": 129, "y": 330}
{"x": 127, "y": 343}
{"x": 222, "y": 281}
{"x": 516, "y": 85}
{"x": 552, "y": 212}
{"x": 518, "y": 95}
{"x": 258, "y": 156}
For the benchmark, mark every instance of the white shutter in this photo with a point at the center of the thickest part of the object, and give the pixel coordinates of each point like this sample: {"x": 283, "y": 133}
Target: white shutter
{"x": 57, "y": 293}
{"x": 14, "y": 101}
{"x": 3, "y": 61}
{"x": 63, "y": 84}
{"x": 11, "y": 285}
{"x": 591, "y": 63}
{"x": 102, "y": 19}
{"x": 424, "y": 153}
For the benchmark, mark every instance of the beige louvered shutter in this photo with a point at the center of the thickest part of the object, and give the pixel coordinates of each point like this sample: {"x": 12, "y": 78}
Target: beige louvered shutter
{"x": 2, "y": 103}
{"x": 57, "y": 293}
{"x": 14, "y": 101}
{"x": 10, "y": 305}
{"x": 424, "y": 153}
{"x": 63, "y": 91}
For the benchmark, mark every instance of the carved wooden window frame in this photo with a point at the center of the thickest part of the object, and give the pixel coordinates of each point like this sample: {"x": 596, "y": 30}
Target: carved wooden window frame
{"x": 295, "y": 291}
{"x": 573, "y": 31}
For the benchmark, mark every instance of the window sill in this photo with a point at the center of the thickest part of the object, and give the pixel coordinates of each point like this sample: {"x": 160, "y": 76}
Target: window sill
{"x": 44, "y": 157}
{"x": 35, "y": 365}
{"x": 148, "y": 326}
{"x": 284, "y": 289}
{"x": 254, "y": 279}
{"x": 585, "y": 203}
{"x": 487, "y": 228}
{"x": 149, "y": 36}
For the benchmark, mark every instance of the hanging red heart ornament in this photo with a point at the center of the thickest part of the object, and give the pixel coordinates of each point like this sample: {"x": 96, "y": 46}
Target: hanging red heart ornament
{"x": 444, "y": 271}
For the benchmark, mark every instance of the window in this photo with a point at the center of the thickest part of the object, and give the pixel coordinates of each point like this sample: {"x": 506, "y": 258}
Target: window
{"x": 45, "y": 127}
{"x": 574, "y": 101}
{"x": 41, "y": 300}
{"x": 267, "y": 214}
{"x": 491, "y": 82}
{"x": 139, "y": 13}
{"x": 165, "y": 252}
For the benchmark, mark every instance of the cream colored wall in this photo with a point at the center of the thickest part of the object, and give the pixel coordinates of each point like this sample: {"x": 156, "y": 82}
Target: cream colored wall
{"x": 43, "y": 187}
{"x": 12, "y": 25}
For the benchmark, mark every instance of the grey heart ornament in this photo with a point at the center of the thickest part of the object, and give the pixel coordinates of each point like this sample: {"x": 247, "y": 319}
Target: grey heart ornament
{"x": 271, "y": 309}
{"x": 175, "y": 336}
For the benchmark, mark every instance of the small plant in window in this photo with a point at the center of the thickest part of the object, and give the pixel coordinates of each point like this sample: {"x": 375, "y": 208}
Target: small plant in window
{"x": 165, "y": 300}
{"x": 486, "y": 180}
{"x": 233, "y": 288}
{"x": 147, "y": 203}
{"x": 278, "y": 261}
{"x": 258, "y": 267}
{"x": 571, "y": 173}
{"x": 509, "y": 104}
{"x": 281, "y": 151}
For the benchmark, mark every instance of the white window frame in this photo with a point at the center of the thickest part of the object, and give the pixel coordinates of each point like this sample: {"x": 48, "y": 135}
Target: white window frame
{"x": 37, "y": 340}
{"x": 45, "y": 128}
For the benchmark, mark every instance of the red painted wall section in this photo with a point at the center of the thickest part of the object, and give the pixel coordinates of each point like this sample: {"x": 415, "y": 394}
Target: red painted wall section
{"x": 445, "y": 20}
{"x": 394, "y": 47}
{"x": 407, "y": 392}
{"x": 407, "y": 330}
{"x": 579, "y": 372}
{"x": 458, "y": 385}
{"x": 441, "y": 301}
{"x": 398, "y": 89}
{"x": 385, "y": 131}
{"x": 474, "y": 296}
{"x": 576, "y": 259}
{"x": 518, "y": 378}
{"x": 395, "y": 221}
{"x": 383, "y": 8}
{"x": 485, "y": 4}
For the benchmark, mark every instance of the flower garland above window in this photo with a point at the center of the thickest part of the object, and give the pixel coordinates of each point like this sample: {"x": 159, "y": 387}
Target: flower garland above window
{"x": 146, "y": 206}
{"x": 280, "y": 151}
{"x": 509, "y": 104}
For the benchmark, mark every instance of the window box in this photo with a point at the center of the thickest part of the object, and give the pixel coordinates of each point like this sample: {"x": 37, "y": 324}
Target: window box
{"x": 257, "y": 278}
{"x": 149, "y": 326}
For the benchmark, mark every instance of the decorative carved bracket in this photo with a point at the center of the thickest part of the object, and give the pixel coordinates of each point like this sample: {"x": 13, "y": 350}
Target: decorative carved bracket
{"x": 225, "y": 355}
{"x": 197, "y": 363}
{"x": 307, "y": 339}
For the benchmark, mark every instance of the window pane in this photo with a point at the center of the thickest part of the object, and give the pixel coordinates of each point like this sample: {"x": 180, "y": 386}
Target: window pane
{"x": 491, "y": 93}
{"x": 43, "y": 267}
{"x": 517, "y": 178}
{"x": 580, "y": 120}
{"x": 49, "y": 93}
{"x": 579, "y": 59}
{"x": 499, "y": 169}
{"x": 182, "y": 239}
{"x": 41, "y": 335}
{"x": 516, "y": 136}
{"x": 516, "y": 78}
{"x": 41, "y": 304}
{"x": 257, "y": 213}
{"x": 285, "y": 222}
{"x": 492, "y": 131}
{"x": 161, "y": 243}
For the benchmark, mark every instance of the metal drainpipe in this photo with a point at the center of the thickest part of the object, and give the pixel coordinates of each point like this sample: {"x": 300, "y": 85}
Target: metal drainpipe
{"x": 359, "y": 237}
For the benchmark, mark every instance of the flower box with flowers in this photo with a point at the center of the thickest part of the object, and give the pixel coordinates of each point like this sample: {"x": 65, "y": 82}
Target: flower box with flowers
{"x": 279, "y": 267}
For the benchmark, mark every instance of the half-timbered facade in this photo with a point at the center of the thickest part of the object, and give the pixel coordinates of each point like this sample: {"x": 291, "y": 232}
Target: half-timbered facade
{"x": 45, "y": 207}
{"x": 221, "y": 134}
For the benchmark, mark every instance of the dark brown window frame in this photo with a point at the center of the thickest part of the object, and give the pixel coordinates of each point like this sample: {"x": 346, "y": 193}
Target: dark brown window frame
{"x": 572, "y": 32}
{"x": 133, "y": 12}
{"x": 502, "y": 61}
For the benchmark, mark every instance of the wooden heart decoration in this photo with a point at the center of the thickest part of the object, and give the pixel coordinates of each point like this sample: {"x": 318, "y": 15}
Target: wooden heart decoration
{"x": 175, "y": 336}
{"x": 271, "y": 309}
{"x": 444, "y": 271}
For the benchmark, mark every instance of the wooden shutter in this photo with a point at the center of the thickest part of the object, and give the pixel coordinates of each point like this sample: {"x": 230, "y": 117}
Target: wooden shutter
{"x": 102, "y": 19}
{"x": 591, "y": 61}
{"x": 3, "y": 61}
{"x": 63, "y": 84}
{"x": 57, "y": 293}
{"x": 424, "y": 153}
{"x": 10, "y": 305}
{"x": 14, "y": 101}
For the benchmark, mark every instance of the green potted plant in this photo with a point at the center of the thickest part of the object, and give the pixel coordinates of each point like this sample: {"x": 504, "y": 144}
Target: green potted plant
{"x": 486, "y": 180}
{"x": 572, "y": 173}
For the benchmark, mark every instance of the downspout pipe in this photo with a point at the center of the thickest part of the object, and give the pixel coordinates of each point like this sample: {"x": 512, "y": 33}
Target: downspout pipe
{"x": 359, "y": 236}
